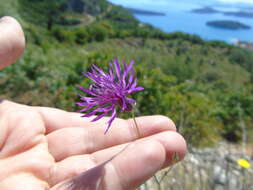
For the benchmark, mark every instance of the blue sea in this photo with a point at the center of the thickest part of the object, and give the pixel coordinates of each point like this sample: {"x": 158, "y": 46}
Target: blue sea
{"x": 179, "y": 17}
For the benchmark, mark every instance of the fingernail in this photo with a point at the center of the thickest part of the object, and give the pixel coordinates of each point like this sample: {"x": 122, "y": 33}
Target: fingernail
{"x": 7, "y": 19}
{"x": 4, "y": 18}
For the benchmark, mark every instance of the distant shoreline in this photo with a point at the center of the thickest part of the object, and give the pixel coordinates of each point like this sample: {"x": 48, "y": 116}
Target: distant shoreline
{"x": 228, "y": 24}
{"x": 224, "y": 34}
{"x": 205, "y": 10}
{"x": 211, "y": 10}
{"x": 145, "y": 12}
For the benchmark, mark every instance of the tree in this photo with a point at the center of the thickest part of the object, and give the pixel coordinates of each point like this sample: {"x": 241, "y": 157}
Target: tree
{"x": 236, "y": 114}
{"x": 43, "y": 12}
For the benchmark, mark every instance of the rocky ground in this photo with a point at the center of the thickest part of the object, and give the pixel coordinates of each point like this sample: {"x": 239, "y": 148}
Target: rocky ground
{"x": 207, "y": 169}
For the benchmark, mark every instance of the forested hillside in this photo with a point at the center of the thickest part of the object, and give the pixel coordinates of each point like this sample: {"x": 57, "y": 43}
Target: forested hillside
{"x": 205, "y": 87}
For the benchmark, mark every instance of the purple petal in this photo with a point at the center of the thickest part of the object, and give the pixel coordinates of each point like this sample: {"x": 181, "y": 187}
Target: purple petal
{"x": 130, "y": 100}
{"x": 117, "y": 68}
{"x": 134, "y": 83}
{"x": 104, "y": 109}
{"x": 124, "y": 106}
{"x": 125, "y": 68}
{"x": 85, "y": 109}
{"x": 83, "y": 104}
{"x": 98, "y": 117}
{"x": 137, "y": 89}
{"x": 107, "y": 109}
{"x": 86, "y": 91}
{"x": 111, "y": 70}
{"x": 89, "y": 75}
{"x": 99, "y": 70}
{"x": 113, "y": 116}
{"x": 130, "y": 80}
{"x": 90, "y": 100}
{"x": 89, "y": 114}
{"x": 130, "y": 66}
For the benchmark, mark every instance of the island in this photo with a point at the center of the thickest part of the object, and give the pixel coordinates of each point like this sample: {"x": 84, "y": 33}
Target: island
{"x": 228, "y": 24}
{"x": 205, "y": 10}
{"x": 240, "y": 14}
{"x": 211, "y": 10}
{"x": 145, "y": 12}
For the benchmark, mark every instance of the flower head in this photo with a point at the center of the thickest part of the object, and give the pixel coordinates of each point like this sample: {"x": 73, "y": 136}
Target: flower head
{"x": 109, "y": 91}
{"x": 244, "y": 163}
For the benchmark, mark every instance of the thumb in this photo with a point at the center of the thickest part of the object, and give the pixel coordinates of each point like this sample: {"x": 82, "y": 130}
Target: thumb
{"x": 12, "y": 41}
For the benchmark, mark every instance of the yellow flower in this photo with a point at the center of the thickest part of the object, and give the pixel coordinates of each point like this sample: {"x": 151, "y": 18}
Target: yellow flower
{"x": 243, "y": 163}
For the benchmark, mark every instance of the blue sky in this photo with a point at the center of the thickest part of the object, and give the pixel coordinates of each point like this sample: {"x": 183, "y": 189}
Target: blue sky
{"x": 161, "y": 2}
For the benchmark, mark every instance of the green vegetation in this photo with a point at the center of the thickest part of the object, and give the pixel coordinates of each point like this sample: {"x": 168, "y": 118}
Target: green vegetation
{"x": 205, "y": 87}
{"x": 43, "y": 11}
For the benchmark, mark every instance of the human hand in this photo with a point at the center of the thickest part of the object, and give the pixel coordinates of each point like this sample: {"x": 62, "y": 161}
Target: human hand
{"x": 47, "y": 148}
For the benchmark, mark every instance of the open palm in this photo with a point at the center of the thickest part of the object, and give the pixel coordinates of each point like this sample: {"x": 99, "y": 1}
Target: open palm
{"x": 47, "y": 148}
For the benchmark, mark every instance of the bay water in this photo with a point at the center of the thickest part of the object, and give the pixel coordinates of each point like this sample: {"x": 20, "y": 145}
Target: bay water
{"x": 179, "y": 17}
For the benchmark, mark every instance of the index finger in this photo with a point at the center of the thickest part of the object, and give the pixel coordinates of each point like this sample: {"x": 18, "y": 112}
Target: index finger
{"x": 56, "y": 119}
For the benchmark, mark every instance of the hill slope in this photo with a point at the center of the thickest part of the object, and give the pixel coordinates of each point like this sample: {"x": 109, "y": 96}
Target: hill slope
{"x": 205, "y": 87}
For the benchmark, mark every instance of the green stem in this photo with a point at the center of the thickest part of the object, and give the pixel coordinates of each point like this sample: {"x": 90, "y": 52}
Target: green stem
{"x": 136, "y": 125}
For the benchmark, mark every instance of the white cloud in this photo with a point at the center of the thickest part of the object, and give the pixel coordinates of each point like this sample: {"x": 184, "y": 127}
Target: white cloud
{"x": 237, "y": 1}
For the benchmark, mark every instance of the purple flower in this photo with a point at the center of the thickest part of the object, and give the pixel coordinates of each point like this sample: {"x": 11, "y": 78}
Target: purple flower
{"x": 108, "y": 92}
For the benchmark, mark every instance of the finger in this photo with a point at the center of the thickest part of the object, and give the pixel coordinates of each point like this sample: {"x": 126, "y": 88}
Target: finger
{"x": 55, "y": 119}
{"x": 171, "y": 143}
{"x": 87, "y": 140}
{"x": 141, "y": 167}
{"x": 12, "y": 41}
